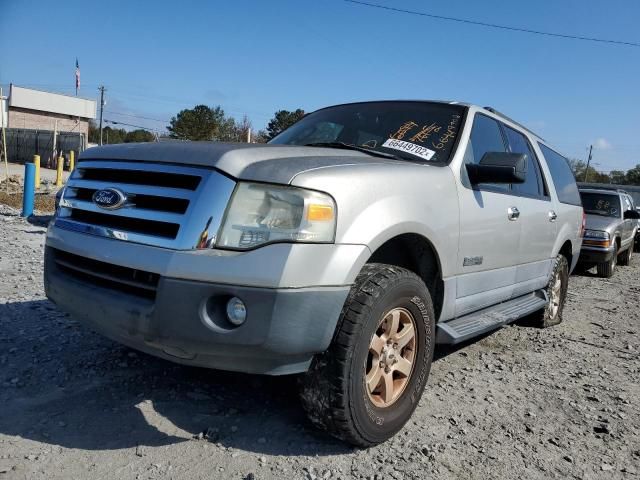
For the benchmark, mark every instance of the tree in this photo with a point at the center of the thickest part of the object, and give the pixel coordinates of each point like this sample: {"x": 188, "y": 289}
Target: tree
{"x": 200, "y": 123}
{"x": 139, "y": 135}
{"x": 579, "y": 169}
{"x": 261, "y": 136}
{"x": 112, "y": 135}
{"x": 94, "y": 132}
{"x": 282, "y": 120}
{"x": 633, "y": 175}
{"x": 618, "y": 177}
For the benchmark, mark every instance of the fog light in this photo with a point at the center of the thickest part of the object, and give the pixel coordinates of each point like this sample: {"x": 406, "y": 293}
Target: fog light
{"x": 236, "y": 311}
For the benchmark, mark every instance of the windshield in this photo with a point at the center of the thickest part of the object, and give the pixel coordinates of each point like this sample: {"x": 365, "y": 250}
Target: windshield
{"x": 604, "y": 204}
{"x": 416, "y": 131}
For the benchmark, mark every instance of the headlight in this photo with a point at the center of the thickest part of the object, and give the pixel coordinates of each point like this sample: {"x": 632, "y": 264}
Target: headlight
{"x": 596, "y": 234}
{"x": 260, "y": 214}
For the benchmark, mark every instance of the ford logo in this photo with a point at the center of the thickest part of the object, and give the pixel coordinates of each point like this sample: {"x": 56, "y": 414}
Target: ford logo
{"x": 109, "y": 198}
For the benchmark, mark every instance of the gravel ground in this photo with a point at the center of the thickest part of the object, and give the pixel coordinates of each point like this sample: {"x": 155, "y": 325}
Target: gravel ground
{"x": 519, "y": 403}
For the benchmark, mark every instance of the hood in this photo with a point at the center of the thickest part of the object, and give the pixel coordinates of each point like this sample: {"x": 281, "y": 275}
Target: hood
{"x": 246, "y": 161}
{"x": 600, "y": 222}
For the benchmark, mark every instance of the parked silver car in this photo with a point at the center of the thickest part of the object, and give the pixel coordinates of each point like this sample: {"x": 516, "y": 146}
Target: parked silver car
{"x": 345, "y": 249}
{"x": 611, "y": 226}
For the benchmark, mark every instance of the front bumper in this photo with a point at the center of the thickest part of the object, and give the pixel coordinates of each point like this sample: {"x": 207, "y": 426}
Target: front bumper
{"x": 186, "y": 322}
{"x": 294, "y": 294}
{"x": 596, "y": 254}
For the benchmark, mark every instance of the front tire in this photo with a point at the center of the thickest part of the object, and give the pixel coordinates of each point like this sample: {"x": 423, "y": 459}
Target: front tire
{"x": 625, "y": 258}
{"x": 606, "y": 269}
{"x": 365, "y": 387}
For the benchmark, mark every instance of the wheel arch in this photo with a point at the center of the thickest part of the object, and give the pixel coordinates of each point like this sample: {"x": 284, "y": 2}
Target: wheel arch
{"x": 567, "y": 250}
{"x": 417, "y": 254}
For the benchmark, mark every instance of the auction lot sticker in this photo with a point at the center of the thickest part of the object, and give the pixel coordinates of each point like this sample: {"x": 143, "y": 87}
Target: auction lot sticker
{"x": 409, "y": 147}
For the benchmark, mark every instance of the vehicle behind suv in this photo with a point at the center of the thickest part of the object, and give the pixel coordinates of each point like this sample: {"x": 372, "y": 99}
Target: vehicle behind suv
{"x": 343, "y": 250}
{"x": 611, "y": 226}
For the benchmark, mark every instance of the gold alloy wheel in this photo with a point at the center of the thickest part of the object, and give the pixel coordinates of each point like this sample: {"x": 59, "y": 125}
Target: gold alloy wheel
{"x": 556, "y": 294}
{"x": 392, "y": 352}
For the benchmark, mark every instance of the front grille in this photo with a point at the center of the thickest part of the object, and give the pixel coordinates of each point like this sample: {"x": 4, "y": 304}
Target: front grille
{"x": 115, "y": 277}
{"x": 166, "y": 205}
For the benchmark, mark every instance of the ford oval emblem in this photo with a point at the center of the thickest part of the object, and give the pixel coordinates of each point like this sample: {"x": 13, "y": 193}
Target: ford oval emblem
{"x": 109, "y": 198}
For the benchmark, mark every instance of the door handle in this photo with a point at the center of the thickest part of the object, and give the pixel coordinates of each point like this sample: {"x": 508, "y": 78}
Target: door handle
{"x": 553, "y": 216}
{"x": 513, "y": 213}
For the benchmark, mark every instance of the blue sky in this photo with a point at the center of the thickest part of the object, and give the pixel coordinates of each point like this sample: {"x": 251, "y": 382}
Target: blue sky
{"x": 255, "y": 57}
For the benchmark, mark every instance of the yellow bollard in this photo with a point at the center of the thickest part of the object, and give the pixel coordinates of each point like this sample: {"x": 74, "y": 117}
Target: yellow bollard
{"x": 36, "y": 162}
{"x": 72, "y": 162}
{"x": 59, "y": 171}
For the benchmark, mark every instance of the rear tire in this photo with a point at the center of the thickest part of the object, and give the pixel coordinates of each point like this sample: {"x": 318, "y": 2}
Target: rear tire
{"x": 625, "y": 258}
{"x": 606, "y": 269}
{"x": 557, "y": 293}
{"x": 365, "y": 387}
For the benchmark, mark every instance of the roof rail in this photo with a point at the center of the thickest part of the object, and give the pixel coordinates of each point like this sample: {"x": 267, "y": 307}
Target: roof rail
{"x": 500, "y": 114}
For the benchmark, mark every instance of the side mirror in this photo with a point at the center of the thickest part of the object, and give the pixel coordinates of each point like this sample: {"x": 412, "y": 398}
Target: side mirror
{"x": 499, "y": 167}
{"x": 631, "y": 215}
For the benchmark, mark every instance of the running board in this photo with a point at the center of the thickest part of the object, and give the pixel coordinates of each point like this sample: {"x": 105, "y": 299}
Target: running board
{"x": 476, "y": 323}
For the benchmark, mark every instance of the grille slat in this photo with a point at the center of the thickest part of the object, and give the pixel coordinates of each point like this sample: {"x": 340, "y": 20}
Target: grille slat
{"x": 137, "y": 201}
{"x": 126, "y": 224}
{"x": 125, "y": 212}
{"x": 140, "y": 177}
{"x": 116, "y": 277}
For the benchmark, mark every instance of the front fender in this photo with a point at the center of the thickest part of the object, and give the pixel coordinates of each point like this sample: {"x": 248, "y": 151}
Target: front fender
{"x": 379, "y": 202}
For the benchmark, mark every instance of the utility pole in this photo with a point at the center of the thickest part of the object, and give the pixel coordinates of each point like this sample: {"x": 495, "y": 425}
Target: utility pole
{"x": 586, "y": 170}
{"x": 101, "y": 88}
{"x": 4, "y": 137}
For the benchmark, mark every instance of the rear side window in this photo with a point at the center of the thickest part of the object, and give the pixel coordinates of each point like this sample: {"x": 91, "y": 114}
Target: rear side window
{"x": 563, "y": 178}
{"x": 532, "y": 186}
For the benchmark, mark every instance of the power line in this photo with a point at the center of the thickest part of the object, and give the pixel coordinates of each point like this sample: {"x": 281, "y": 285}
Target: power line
{"x": 493, "y": 25}
{"x": 136, "y": 116}
{"x": 129, "y": 125}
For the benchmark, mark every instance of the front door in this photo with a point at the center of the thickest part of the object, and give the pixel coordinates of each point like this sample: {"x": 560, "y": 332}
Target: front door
{"x": 489, "y": 229}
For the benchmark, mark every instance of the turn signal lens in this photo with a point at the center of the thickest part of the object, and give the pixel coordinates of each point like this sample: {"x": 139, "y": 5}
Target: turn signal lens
{"x": 596, "y": 243}
{"x": 320, "y": 213}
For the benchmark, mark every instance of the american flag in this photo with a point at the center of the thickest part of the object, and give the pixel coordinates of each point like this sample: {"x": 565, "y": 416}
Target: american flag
{"x": 77, "y": 76}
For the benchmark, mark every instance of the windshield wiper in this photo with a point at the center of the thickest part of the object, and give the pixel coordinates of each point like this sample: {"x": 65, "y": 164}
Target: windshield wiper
{"x": 346, "y": 146}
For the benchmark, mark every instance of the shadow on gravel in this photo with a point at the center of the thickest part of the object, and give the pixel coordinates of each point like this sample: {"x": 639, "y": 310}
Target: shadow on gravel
{"x": 65, "y": 385}
{"x": 40, "y": 220}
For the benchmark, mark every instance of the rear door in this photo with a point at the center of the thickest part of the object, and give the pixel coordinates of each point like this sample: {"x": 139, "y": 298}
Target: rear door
{"x": 537, "y": 219}
{"x": 629, "y": 224}
{"x": 489, "y": 240}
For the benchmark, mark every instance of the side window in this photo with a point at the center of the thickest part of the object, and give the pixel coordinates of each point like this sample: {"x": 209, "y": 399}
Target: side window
{"x": 485, "y": 137}
{"x": 627, "y": 203}
{"x": 563, "y": 178}
{"x": 532, "y": 185}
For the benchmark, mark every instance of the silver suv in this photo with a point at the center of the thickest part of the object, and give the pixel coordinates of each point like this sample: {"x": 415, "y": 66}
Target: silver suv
{"x": 343, "y": 250}
{"x": 612, "y": 223}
